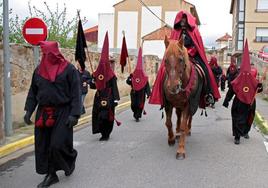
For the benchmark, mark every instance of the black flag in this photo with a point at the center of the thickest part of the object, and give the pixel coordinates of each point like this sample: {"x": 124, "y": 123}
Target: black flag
{"x": 80, "y": 54}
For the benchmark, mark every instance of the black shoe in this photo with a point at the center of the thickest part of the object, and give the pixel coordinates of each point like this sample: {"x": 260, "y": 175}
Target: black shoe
{"x": 71, "y": 171}
{"x": 237, "y": 140}
{"x": 137, "y": 119}
{"x": 246, "y": 136}
{"x": 41, "y": 184}
{"x": 50, "y": 179}
{"x": 209, "y": 99}
{"x": 104, "y": 138}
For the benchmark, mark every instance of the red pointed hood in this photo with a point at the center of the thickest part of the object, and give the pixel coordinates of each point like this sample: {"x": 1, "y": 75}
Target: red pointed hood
{"x": 245, "y": 85}
{"x": 139, "y": 78}
{"x": 52, "y": 63}
{"x": 104, "y": 72}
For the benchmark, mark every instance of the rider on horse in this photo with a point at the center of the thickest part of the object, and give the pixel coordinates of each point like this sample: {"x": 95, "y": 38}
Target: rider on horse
{"x": 185, "y": 27}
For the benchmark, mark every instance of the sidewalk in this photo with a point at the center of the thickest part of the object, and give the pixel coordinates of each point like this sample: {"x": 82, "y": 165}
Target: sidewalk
{"x": 23, "y": 136}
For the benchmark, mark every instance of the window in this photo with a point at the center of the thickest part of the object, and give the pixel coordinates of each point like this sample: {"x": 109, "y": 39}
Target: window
{"x": 261, "y": 34}
{"x": 241, "y": 16}
{"x": 242, "y": 5}
{"x": 262, "y": 5}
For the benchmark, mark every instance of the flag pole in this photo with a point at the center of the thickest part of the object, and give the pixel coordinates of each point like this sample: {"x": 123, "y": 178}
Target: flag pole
{"x": 128, "y": 61}
{"x": 88, "y": 57}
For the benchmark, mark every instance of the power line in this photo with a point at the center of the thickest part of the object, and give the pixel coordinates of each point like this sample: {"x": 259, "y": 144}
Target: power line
{"x": 152, "y": 12}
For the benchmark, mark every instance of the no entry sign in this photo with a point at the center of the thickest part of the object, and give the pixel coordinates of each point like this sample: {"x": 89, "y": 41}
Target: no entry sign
{"x": 34, "y": 31}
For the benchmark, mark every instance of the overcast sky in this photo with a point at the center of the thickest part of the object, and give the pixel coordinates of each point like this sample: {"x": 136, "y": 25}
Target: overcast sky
{"x": 214, "y": 14}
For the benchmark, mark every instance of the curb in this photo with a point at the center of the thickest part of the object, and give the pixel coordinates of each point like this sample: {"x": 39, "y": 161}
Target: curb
{"x": 25, "y": 142}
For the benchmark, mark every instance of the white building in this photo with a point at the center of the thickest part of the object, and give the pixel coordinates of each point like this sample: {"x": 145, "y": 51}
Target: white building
{"x": 137, "y": 21}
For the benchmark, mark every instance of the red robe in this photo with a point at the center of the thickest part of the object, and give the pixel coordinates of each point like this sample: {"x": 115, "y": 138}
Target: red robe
{"x": 157, "y": 92}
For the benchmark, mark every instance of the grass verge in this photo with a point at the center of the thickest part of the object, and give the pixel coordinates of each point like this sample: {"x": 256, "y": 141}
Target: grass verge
{"x": 261, "y": 123}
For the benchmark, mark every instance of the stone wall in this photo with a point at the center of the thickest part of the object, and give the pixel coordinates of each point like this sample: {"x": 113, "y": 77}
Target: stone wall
{"x": 22, "y": 67}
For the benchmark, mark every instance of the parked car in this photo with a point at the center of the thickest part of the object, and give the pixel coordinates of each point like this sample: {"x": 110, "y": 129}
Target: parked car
{"x": 263, "y": 53}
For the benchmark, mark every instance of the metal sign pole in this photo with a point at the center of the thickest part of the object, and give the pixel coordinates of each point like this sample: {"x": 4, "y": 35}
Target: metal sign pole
{"x": 7, "y": 88}
{"x": 36, "y": 55}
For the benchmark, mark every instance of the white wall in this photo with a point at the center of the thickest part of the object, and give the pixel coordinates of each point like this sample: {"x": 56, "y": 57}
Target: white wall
{"x": 106, "y": 23}
{"x": 149, "y": 22}
{"x": 128, "y": 22}
{"x": 170, "y": 17}
{"x": 154, "y": 47}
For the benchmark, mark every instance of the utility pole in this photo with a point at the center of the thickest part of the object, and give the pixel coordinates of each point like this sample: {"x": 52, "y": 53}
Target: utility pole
{"x": 7, "y": 89}
{"x": 1, "y": 103}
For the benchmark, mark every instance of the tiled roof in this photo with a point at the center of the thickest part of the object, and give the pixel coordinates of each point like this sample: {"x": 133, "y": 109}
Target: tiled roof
{"x": 226, "y": 37}
{"x": 158, "y": 34}
{"x": 92, "y": 29}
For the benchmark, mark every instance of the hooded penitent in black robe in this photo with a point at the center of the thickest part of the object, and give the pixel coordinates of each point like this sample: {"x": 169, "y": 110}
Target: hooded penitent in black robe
{"x": 103, "y": 110}
{"x": 242, "y": 114}
{"x": 138, "y": 98}
{"x": 54, "y": 145}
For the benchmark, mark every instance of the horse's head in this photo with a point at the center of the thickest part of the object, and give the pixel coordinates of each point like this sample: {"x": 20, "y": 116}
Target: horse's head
{"x": 176, "y": 63}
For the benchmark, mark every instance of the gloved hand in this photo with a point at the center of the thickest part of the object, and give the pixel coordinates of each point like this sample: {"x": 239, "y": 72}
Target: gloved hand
{"x": 225, "y": 104}
{"x": 72, "y": 121}
{"x": 27, "y": 118}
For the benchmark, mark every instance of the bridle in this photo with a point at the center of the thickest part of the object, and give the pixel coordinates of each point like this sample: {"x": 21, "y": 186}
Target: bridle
{"x": 178, "y": 87}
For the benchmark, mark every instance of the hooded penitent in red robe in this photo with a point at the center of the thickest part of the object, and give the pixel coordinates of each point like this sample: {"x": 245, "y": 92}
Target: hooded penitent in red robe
{"x": 245, "y": 84}
{"x": 52, "y": 63}
{"x": 139, "y": 79}
{"x": 104, "y": 72}
{"x": 254, "y": 72}
{"x": 157, "y": 92}
{"x": 232, "y": 68}
{"x": 213, "y": 62}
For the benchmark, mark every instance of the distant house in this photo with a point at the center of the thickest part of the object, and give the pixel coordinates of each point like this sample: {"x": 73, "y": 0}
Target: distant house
{"x": 223, "y": 50}
{"x": 91, "y": 35}
{"x": 137, "y": 21}
{"x": 156, "y": 38}
{"x": 250, "y": 20}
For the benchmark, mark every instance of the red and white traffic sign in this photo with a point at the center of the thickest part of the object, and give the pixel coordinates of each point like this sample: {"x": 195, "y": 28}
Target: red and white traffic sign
{"x": 34, "y": 31}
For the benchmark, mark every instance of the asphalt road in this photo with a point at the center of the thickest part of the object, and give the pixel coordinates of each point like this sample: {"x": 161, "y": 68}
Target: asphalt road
{"x": 138, "y": 156}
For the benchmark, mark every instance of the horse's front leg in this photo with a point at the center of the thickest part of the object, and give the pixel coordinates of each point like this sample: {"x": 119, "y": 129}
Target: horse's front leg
{"x": 183, "y": 131}
{"x": 171, "y": 137}
{"x": 189, "y": 125}
{"x": 178, "y": 112}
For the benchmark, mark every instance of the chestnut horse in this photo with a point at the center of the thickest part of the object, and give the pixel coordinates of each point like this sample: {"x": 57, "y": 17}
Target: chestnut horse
{"x": 182, "y": 84}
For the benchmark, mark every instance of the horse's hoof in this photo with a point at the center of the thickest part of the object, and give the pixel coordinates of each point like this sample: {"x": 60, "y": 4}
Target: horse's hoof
{"x": 180, "y": 156}
{"x": 189, "y": 133}
{"x": 171, "y": 142}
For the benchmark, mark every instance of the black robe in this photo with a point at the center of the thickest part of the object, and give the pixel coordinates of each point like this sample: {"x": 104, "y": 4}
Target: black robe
{"x": 242, "y": 114}
{"x": 138, "y": 98}
{"x": 54, "y": 146}
{"x": 103, "y": 115}
{"x": 217, "y": 72}
{"x": 223, "y": 80}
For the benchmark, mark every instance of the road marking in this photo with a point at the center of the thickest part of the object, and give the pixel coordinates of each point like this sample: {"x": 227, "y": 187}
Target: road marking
{"x": 34, "y": 31}
{"x": 78, "y": 143}
{"x": 266, "y": 145}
